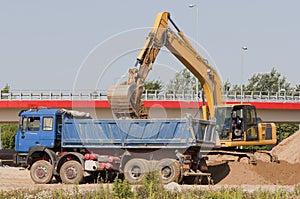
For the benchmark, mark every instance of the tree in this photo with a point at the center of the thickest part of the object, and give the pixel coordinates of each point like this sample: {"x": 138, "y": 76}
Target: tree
{"x": 182, "y": 81}
{"x": 5, "y": 89}
{"x": 154, "y": 85}
{"x": 297, "y": 87}
{"x": 285, "y": 130}
{"x": 227, "y": 86}
{"x": 272, "y": 81}
{"x": 8, "y": 133}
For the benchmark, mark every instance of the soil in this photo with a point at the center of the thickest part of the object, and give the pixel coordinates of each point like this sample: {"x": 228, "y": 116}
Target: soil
{"x": 288, "y": 149}
{"x": 264, "y": 173}
{"x": 227, "y": 175}
{"x": 283, "y": 173}
{"x": 238, "y": 173}
{"x": 286, "y": 172}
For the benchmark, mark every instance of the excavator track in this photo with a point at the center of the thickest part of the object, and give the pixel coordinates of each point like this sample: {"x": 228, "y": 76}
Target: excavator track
{"x": 266, "y": 155}
{"x": 221, "y": 156}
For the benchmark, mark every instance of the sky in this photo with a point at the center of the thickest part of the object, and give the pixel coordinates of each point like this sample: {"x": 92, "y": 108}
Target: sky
{"x": 74, "y": 45}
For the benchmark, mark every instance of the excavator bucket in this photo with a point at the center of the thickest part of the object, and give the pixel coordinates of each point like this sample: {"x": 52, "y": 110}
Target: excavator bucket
{"x": 121, "y": 101}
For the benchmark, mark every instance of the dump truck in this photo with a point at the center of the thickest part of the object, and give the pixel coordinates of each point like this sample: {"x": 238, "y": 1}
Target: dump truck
{"x": 70, "y": 145}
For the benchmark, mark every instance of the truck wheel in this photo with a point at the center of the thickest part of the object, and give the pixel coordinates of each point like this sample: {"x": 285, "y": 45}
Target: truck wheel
{"x": 71, "y": 172}
{"x": 168, "y": 170}
{"x": 41, "y": 172}
{"x": 135, "y": 170}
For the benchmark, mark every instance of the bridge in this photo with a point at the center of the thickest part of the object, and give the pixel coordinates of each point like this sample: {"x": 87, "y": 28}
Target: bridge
{"x": 279, "y": 107}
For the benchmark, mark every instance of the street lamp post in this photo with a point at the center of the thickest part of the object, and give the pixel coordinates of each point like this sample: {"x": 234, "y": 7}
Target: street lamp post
{"x": 244, "y": 48}
{"x": 197, "y": 39}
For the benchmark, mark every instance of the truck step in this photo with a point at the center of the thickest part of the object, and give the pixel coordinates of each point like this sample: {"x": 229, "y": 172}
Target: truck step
{"x": 198, "y": 176}
{"x": 198, "y": 173}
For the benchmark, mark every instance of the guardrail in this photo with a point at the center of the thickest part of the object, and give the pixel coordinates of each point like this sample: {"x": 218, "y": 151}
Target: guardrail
{"x": 53, "y": 95}
{"x": 247, "y": 96}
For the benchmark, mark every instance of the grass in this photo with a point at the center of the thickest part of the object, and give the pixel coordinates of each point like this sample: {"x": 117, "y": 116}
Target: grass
{"x": 150, "y": 189}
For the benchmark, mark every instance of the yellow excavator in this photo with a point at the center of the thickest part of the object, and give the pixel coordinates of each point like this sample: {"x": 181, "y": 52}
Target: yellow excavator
{"x": 237, "y": 125}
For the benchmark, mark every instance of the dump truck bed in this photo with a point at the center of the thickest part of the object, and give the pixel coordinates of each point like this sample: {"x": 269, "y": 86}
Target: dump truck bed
{"x": 124, "y": 133}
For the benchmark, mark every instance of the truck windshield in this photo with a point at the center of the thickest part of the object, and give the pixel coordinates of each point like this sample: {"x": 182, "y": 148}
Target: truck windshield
{"x": 33, "y": 123}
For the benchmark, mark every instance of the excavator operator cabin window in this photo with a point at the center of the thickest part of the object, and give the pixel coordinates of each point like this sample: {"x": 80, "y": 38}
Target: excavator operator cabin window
{"x": 47, "y": 123}
{"x": 33, "y": 123}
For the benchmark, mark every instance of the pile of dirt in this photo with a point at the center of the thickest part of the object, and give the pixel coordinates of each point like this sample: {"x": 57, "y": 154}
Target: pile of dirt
{"x": 289, "y": 149}
{"x": 264, "y": 173}
{"x": 236, "y": 173}
{"x": 282, "y": 173}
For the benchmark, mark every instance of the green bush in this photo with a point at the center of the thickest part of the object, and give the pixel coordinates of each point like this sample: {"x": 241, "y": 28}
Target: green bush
{"x": 104, "y": 192}
{"x": 151, "y": 187}
{"x": 8, "y": 133}
{"x": 285, "y": 130}
{"x": 122, "y": 189}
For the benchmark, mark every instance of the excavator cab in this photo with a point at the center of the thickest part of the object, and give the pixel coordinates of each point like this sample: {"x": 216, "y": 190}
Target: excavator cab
{"x": 237, "y": 123}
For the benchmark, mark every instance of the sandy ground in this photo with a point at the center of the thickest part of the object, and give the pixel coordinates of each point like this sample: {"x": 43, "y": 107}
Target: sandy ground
{"x": 264, "y": 173}
{"x": 12, "y": 178}
{"x": 264, "y": 176}
{"x": 288, "y": 149}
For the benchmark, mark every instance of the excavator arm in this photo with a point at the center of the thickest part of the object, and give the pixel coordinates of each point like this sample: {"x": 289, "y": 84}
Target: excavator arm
{"x": 125, "y": 100}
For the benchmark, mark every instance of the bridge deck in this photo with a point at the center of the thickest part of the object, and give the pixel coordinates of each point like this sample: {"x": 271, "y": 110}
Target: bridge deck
{"x": 271, "y": 107}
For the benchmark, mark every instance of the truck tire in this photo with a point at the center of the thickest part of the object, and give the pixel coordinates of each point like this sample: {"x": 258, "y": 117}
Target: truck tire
{"x": 168, "y": 170}
{"x": 41, "y": 172}
{"x": 71, "y": 172}
{"x": 135, "y": 170}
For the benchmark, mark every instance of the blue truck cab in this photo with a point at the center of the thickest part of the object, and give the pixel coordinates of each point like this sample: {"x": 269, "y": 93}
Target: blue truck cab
{"x": 41, "y": 128}
{"x": 37, "y": 127}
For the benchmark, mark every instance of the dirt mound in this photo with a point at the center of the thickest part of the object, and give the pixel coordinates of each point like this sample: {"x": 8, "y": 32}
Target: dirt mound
{"x": 264, "y": 173}
{"x": 282, "y": 173}
{"x": 289, "y": 149}
{"x": 239, "y": 173}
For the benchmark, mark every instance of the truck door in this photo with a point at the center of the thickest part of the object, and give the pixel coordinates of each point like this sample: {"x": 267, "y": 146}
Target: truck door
{"x": 29, "y": 135}
{"x": 47, "y": 135}
{"x": 250, "y": 123}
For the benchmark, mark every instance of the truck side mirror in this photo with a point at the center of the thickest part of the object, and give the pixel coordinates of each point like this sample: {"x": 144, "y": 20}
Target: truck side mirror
{"x": 59, "y": 127}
